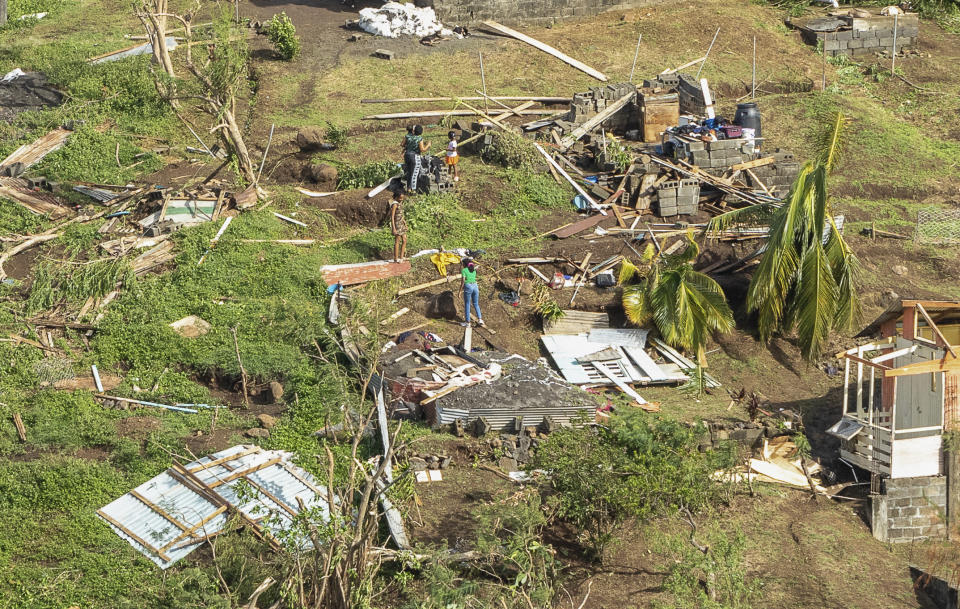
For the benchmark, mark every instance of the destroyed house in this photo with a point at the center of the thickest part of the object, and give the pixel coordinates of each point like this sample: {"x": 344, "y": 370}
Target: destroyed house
{"x": 900, "y": 391}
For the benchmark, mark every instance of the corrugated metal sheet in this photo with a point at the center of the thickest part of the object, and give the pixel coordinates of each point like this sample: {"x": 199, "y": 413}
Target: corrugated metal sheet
{"x": 99, "y": 194}
{"x": 183, "y": 211}
{"x": 166, "y": 520}
{"x": 575, "y": 322}
{"x": 502, "y": 420}
{"x": 633, "y": 366}
{"x": 31, "y": 154}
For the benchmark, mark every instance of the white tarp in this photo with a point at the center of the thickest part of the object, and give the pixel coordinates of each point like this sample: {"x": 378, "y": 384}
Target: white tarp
{"x": 395, "y": 19}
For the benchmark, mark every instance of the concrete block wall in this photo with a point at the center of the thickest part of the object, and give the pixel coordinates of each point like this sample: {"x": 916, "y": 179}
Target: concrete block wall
{"x": 719, "y": 154}
{"x": 678, "y": 198}
{"x": 526, "y": 12}
{"x": 867, "y": 35}
{"x": 910, "y": 509}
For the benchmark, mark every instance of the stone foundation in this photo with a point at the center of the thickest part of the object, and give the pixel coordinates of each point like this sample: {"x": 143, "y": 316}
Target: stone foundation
{"x": 529, "y": 12}
{"x": 910, "y": 509}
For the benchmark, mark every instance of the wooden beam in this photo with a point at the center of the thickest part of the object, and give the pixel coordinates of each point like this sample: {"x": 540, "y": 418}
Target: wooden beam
{"x": 398, "y": 100}
{"x": 595, "y": 121}
{"x": 214, "y": 463}
{"x": 150, "y": 548}
{"x": 936, "y": 330}
{"x": 686, "y": 65}
{"x": 570, "y": 180}
{"x": 937, "y": 365}
{"x": 754, "y": 163}
{"x": 428, "y": 284}
{"x": 189, "y": 532}
{"x": 21, "y": 430}
{"x": 159, "y": 510}
{"x": 439, "y": 113}
{"x": 867, "y": 362}
{"x": 502, "y": 29}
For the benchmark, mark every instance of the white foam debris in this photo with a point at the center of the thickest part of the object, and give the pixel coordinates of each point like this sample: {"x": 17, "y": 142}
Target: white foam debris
{"x": 13, "y": 74}
{"x": 395, "y": 19}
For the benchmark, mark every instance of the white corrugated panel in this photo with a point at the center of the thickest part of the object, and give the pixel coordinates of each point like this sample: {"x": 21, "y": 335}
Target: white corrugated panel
{"x": 275, "y": 485}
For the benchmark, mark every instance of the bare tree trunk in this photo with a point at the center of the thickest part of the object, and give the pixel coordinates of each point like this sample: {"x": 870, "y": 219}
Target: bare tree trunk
{"x": 235, "y": 139}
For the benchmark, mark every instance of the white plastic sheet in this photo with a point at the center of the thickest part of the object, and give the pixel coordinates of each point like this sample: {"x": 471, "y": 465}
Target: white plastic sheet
{"x": 395, "y": 19}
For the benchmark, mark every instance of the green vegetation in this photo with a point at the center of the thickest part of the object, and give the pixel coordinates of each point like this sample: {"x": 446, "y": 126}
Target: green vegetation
{"x": 686, "y": 305}
{"x": 803, "y": 279}
{"x": 636, "y": 468}
{"x": 365, "y": 176}
{"x": 283, "y": 35}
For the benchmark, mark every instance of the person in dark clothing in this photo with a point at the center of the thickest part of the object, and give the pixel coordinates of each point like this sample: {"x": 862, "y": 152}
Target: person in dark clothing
{"x": 413, "y": 147}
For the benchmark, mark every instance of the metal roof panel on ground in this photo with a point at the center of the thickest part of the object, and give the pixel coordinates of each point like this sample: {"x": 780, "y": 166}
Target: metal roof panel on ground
{"x": 575, "y": 322}
{"x": 162, "y": 516}
{"x": 567, "y": 349}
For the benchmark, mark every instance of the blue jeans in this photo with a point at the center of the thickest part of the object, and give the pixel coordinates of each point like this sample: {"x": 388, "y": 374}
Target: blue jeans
{"x": 471, "y": 294}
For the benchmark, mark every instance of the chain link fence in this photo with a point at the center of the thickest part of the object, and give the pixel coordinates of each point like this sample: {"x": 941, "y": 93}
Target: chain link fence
{"x": 935, "y": 225}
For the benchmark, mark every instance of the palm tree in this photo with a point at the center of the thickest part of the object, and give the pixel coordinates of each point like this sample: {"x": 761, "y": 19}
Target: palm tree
{"x": 684, "y": 304}
{"x": 807, "y": 273}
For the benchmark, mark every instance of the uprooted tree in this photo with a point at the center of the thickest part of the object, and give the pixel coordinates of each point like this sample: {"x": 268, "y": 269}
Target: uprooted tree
{"x": 212, "y": 82}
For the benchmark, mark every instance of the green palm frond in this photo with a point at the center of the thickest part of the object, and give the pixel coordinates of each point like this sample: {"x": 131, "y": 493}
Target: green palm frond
{"x": 635, "y": 303}
{"x": 752, "y": 214}
{"x": 817, "y": 302}
{"x": 830, "y": 140}
{"x": 628, "y": 271}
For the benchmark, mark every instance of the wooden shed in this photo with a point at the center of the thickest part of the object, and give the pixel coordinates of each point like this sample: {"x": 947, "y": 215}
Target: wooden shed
{"x": 901, "y": 391}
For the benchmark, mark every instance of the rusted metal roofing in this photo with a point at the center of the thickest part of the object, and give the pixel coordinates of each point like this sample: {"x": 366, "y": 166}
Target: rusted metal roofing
{"x": 30, "y": 154}
{"x": 351, "y": 274}
{"x": 171, "y": 515}
{"x": 38, "y": 202}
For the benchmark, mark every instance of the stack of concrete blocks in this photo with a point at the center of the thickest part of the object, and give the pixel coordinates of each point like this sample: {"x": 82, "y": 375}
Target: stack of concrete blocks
{"x": 659, "y": 110}
{"x": 678, "y": 198}
{"x": 432, "y": 180}
{"x": 718, "y": 155}
{"x": 779, "y": 176}
{"x": 866, "y": 35}
{"x": 691, "y": 95}
{"x": 590, "y": 103}
{"x": 910, "y": 509}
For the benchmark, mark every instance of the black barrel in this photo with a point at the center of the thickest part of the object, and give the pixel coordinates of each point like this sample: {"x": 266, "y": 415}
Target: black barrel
{"x": 748, "y": 115}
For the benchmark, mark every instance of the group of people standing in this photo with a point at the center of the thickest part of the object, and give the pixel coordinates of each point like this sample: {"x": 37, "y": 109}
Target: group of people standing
{"x": 414, "y": 147}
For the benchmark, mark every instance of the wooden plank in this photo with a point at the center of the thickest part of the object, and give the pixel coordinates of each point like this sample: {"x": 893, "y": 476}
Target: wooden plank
{"x": 428, "y": 284}
{"x": 216, "y": 462}
{"x": 867, "y": 362}
{"x": 440, "y": 113}
{"x": 21, "y": 430}
{"x": 570, "y": 180}
{"x": 686, "y": 65}
{"x": 937, "y": 365}
{"x": 595, "y": 121}
{"x": 398, "y": 100}
{"x": 579, "y": 226}
{"x": 754, "y": 163}
{"x": 620, "y": 384}
{"x": 546, "y": 49}
{"x": 149, "y": 547}
{"x": 243, "y": 473}
{"x": 189, "y": 532}
{"x": 936, "y": 330}
{"x": 289, "y": 510}
{"x": 156, "y": 508}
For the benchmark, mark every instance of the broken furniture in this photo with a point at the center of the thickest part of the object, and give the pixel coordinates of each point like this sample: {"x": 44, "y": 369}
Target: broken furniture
{"x": 900, "y": 398}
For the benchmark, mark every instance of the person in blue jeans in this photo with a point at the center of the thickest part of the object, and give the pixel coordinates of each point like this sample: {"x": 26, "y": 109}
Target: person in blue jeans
{"x": 471, "y": 293}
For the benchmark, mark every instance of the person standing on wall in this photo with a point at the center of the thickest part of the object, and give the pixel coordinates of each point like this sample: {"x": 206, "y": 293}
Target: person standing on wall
{"x": 414, "y": 146}
{"x": 471, "y": 293}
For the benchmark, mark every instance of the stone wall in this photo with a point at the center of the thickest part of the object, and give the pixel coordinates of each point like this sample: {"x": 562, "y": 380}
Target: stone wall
{"x": 530, "y": 12}
{"x": 867, "y": 35}
{"x": 910, "y": 509}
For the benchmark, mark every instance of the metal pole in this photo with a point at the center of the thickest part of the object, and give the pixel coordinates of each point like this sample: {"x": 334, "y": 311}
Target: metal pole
{"x": 704, "y": 62}
{"x": 635, "y": 55}
{"x": 483, "y": 81}
{"x": 823, "y": 82}
{"x": 893, "y": 62}
{"x": 753, "y": 86}
{"x": 264, "y": 159}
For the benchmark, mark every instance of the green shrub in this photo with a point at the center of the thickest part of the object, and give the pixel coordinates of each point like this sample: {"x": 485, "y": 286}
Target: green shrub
{"x": 512, "y": 150}
{"x": 367, "y": 175}
{"x": 336, "y": 135}
{"x": 283, "y": 35}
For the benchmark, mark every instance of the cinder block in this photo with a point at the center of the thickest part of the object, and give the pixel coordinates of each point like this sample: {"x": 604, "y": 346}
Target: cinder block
{"x": 855, "y": 43}
{"x": 886, "y": 42}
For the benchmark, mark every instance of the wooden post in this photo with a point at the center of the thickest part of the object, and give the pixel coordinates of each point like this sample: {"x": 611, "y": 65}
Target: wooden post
{"x": 846, "y": 383}
{"x": 708, "y": 53}
{"x": 18, "y": 423}
{"x": 635, "y": 55}
{"x": 893, "y": 55}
